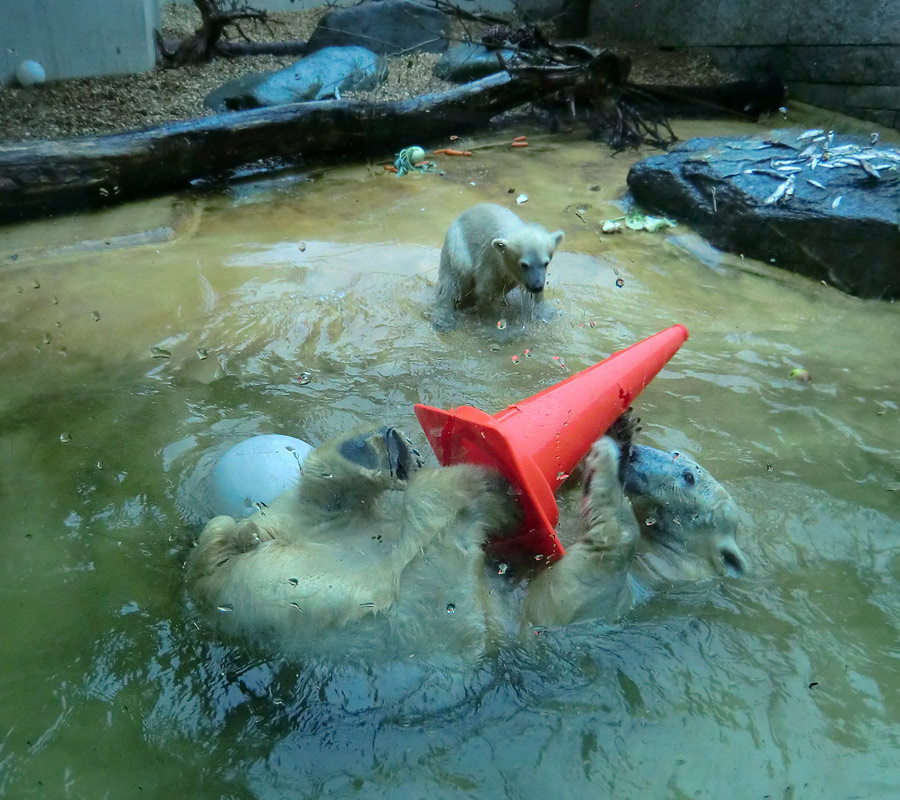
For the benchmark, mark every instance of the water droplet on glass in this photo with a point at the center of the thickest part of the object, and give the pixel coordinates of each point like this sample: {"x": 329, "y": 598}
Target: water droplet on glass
{"x": 47, "y": 338}
{"x": 223, "y": 609}
{"x": 650, "y": 521}
{"x": 301, "y": 246}
{"x": 65, "y": 436}
{"x": 304, "y": 378}
{"x": 620, "y": 283}
{"x": 55, "y": 300}
{"x": 451, "y": 608}
{"x": 561, "y": 475}
{"x": 95, "y": 315}
{"x": 19, "y": 289}
{"x": 501, "y": 324}
{"x": 202, "y": 353}
{"x": 63, "y": 351}
{"x": 515, "y": 359}
{"x": 295, "y": 605}
{"x": 502, "y": 569}
{"x": 293, "y": 581}
{"x": 36, "y": 283}
{"x": 159, "y": 352}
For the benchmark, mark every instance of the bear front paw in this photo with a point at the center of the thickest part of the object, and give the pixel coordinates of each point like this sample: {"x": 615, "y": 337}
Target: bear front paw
{"x": 602, "y": 466}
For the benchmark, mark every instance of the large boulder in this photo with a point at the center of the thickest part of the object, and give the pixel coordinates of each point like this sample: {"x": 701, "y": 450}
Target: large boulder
{"x": 325, "y": 73}
{"x": 822, "y": 205}
{"x": 386, "y": 27}
{"x": 469, "y": 62}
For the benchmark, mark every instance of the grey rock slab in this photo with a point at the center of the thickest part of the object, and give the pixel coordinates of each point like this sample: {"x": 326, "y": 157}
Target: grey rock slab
{"x": 386, "y": 27}
{"x": 825, "y": 207}
{"x": 325, "y": 73}
{"x": 469, "y": 62}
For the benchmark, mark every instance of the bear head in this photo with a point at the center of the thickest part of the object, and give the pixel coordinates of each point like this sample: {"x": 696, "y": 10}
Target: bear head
{"x": 683, "y": 511}
{"x": 527, "y": 253}
{"x": 353, "y": 468}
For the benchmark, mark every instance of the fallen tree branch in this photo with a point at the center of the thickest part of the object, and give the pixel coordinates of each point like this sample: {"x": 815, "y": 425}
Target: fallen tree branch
{"x": 205, "y": 42}
{"x": 229, "y": 49}
{"x": 454, "y": 10}
{"x": 287, "y": 47}
{"x": 41, "y": 178}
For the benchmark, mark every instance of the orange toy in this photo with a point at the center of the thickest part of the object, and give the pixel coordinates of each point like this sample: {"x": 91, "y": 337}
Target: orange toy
{"x": 536, "y": 443}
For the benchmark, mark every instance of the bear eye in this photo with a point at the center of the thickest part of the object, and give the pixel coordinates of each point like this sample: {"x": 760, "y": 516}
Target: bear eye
{"x": 523, "y": 264}
{"x": 689, "y": 478}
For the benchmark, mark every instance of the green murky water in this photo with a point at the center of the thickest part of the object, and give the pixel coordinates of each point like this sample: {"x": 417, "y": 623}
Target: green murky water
{"x": 783, "y": 685}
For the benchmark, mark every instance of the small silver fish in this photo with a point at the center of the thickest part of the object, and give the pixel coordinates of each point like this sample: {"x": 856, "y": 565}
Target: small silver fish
{"x": 781, "y": 191}
{"x": 810, "y": 133}
{"x": 870, "y": 170}
{"x": 815, "y": 183}
{"x": 837, "y": 201}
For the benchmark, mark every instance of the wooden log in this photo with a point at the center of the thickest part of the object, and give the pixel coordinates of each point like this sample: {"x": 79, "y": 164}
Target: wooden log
{"x": 41, "y": 178}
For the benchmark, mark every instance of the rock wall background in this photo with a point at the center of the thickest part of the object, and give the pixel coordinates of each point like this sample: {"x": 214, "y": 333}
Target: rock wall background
{"x": 839, "y": 54}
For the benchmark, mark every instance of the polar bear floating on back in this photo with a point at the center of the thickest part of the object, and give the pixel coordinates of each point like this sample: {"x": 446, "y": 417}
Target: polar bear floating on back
{"x": 372, "y": 558}
{"x": 487, "y": 251}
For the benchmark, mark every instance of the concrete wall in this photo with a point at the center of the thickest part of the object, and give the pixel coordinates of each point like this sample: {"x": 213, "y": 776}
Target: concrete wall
{"x": 839, "y": 54}
{"x": 78, "y": 38}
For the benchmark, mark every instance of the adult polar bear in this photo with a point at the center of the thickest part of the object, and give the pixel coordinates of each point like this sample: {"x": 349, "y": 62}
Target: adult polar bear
{"x": 373, "y": 558}
{"x": 487, "y": 251}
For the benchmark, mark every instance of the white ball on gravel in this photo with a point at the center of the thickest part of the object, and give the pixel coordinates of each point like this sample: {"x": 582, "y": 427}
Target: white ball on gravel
{"x": 255, "y": 471}
{"x": 28, "y": 73}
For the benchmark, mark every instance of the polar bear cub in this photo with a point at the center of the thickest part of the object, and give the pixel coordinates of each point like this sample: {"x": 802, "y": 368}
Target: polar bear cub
{"x": 487, "y": 251}
{"x": 371, "y": 556}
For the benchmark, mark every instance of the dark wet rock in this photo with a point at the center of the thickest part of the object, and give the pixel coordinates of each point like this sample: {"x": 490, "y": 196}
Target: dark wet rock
{"x": 469, "y": 62}
{"x": 326, "y": 73}
{"x": 825, "y": 208}
{"x": 384, "y": 26}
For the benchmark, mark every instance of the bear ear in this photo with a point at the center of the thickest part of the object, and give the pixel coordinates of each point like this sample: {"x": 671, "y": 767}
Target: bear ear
{"x": 500, "y": 245}
{"x": 557, "y": 237}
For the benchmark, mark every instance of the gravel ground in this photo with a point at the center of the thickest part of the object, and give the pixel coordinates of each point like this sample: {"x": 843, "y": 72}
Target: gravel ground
{"x": 103, "y": 105}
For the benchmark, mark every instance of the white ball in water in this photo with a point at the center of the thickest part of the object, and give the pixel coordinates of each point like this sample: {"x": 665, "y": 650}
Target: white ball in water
{"x": 255, "y": 472}
{"x": 28, "y": 73}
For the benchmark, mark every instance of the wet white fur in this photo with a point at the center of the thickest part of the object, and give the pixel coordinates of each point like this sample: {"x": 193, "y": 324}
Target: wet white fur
{"x": 482, "y": 257}
{"x": 356, "y": 564}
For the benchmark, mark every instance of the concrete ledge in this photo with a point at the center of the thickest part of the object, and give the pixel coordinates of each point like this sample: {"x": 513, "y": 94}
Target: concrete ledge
{"x": 80, "y": 39}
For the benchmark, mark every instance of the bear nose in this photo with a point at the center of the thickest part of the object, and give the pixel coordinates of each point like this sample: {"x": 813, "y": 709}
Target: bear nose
{"x": 534, "y": 289}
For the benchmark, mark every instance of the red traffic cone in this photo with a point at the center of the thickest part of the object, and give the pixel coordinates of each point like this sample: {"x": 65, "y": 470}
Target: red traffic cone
{"x": 536, "y": 443}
